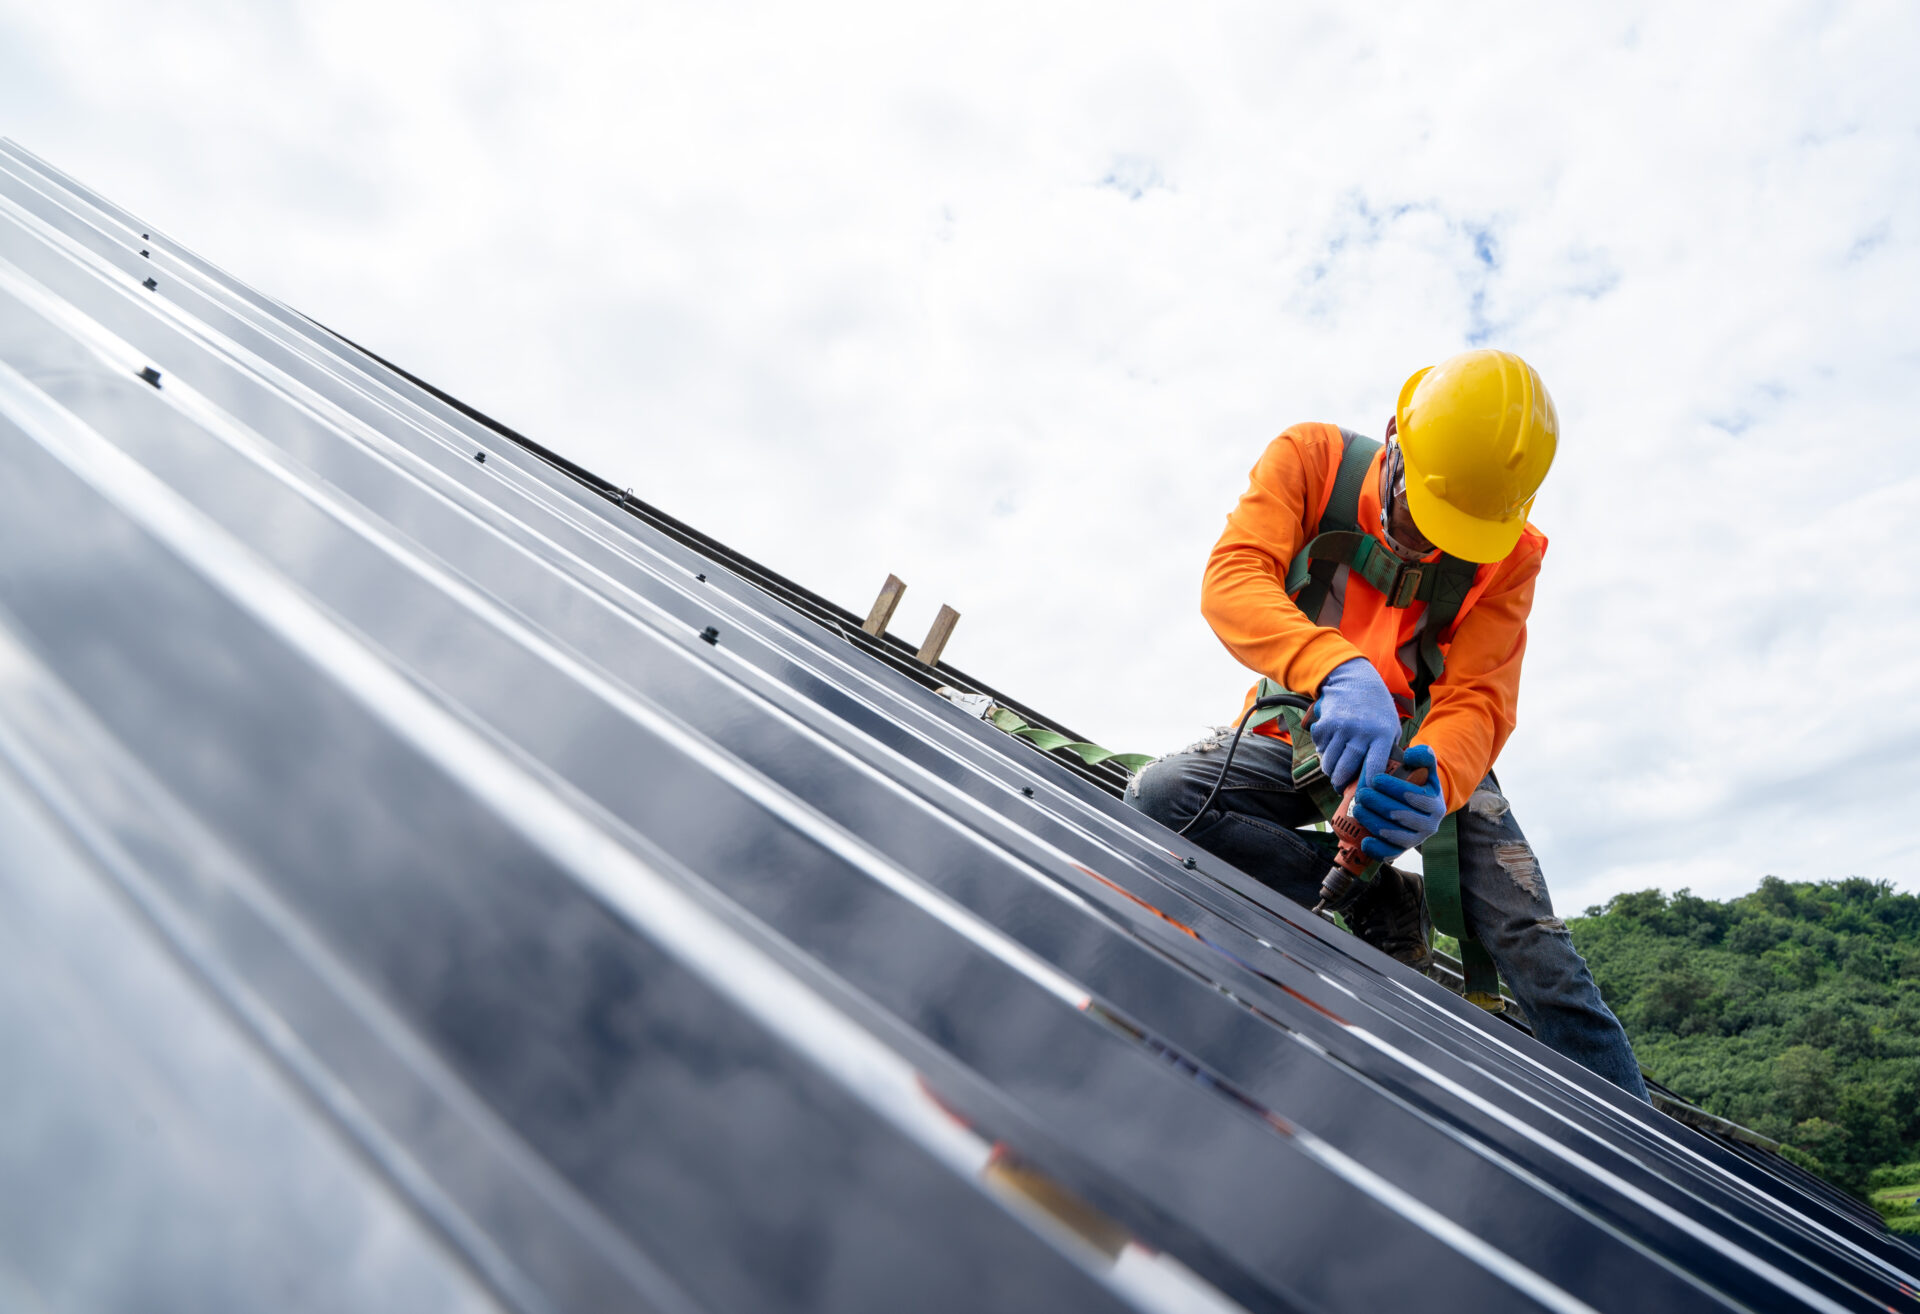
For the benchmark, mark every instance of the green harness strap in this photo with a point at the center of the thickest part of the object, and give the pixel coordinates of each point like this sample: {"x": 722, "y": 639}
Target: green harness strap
{"x": 1443, "y": 584}
{"x": 1307, "y": 775}
{"x": 1310, "y": 575}
{"x": 1401, "y": 583}
{"x": 1440, "y": 856}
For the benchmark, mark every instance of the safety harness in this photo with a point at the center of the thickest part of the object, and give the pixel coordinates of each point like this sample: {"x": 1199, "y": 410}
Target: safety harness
{"x": 1317, "y": 586}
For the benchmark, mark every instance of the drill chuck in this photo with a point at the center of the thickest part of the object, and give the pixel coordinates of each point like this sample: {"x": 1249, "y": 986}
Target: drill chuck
{"x": 1352, "y": 868}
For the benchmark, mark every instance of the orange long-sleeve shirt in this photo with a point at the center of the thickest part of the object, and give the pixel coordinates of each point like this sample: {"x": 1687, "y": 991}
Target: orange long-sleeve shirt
{"x": 1244, "y": 598}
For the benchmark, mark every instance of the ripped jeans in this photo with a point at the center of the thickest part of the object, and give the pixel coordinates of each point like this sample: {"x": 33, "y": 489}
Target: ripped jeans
{"x": 1502, "y": 892}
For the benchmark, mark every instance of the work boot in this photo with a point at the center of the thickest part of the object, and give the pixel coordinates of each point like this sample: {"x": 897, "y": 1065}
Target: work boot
{"x": 1392, "y": 916}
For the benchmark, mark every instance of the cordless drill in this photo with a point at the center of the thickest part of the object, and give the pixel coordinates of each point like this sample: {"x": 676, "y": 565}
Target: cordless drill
{"x": 1352, "y": 869}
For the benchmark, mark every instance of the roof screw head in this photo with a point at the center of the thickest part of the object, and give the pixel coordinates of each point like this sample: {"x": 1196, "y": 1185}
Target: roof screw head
{"x": 1027, "y": 790}
{"x": 710, "y": 634}
{"x": 143, "y": 251}
{"x": 146, "y": 237}
{"x": 150, "y": 285}
{"x": 1189, "y": 864}
{"x": 480, "y": 457}
{"x": 151, "y": 375}
{"x": 701, "y": 578}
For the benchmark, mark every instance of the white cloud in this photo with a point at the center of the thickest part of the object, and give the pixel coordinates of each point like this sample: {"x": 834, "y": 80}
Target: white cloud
{"x": 1008, "y": 301}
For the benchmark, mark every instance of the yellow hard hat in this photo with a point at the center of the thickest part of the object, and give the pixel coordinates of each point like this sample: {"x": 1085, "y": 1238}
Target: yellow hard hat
{"x": 1478, "y": 432}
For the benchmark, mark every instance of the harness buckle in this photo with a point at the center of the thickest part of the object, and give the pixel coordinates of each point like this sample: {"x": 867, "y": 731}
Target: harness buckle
{"x": 1403, "y": 589}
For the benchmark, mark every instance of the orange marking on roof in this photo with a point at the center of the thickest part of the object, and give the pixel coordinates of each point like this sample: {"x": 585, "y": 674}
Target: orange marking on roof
{"x": 1321, "y": 1009}
{"x": 1129, "y": 894}
{"x": 933, "y": 1097}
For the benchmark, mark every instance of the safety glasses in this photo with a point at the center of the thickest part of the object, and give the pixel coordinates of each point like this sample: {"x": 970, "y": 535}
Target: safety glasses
{"x": 1396, "y": 480}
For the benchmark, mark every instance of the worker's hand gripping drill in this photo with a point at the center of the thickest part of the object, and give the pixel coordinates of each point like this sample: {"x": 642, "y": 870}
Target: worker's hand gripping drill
{"x": 1399, "y": 809}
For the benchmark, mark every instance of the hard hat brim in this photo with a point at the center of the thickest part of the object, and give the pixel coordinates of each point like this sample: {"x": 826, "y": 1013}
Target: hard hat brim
{"x": 1458, "y": 534}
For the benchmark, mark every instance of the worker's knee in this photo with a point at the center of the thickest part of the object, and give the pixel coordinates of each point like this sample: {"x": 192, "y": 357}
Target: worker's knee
{"x": 1162, "y": 790}
{"x": 1538, "y": 958}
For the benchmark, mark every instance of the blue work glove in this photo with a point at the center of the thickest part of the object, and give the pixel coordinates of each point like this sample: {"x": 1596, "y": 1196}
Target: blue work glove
{"x": 1400, "y": 816}
{"x": 1355, "y": 724}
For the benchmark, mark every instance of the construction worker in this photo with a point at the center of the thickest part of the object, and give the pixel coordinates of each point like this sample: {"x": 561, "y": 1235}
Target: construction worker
{"x": 1391, "y": 583}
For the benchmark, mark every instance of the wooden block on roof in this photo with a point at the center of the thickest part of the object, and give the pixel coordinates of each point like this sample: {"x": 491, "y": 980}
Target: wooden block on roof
{"x": 937, "y": 636}
{"x": 890, "y": 595}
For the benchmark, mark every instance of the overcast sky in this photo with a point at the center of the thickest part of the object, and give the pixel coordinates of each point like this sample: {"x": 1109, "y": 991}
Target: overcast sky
{"x": 1008, "y": 299}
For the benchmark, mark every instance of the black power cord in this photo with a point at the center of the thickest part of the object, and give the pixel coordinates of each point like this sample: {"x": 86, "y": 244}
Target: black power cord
{"x": 1259, "y": 705}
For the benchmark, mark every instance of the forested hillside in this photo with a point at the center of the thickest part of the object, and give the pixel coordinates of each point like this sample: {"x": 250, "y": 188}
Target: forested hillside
{"x": 1794, "y": 1010}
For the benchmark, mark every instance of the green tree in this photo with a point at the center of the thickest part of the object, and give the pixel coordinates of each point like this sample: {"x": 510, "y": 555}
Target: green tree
{"x": 1794, "y": 1010}
{"x": 1803, "y": 1076}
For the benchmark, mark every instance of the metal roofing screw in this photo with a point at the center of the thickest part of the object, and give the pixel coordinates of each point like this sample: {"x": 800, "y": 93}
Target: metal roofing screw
{"x": 143, "y": 252}
{"x": 150, "y": 285}
{"x": 480, "y": 457}
{"x": 146, "y": 237}
{"x": 1027, "y": 790}
{"x": 151, "y": 375}
{"x": 1189, "y": 864}
{"x": 710, "y": 634}
{"x": 701, "y": 578}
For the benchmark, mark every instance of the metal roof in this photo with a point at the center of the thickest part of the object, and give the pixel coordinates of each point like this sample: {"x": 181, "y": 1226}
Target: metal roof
{"x": 432, "y": 881}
